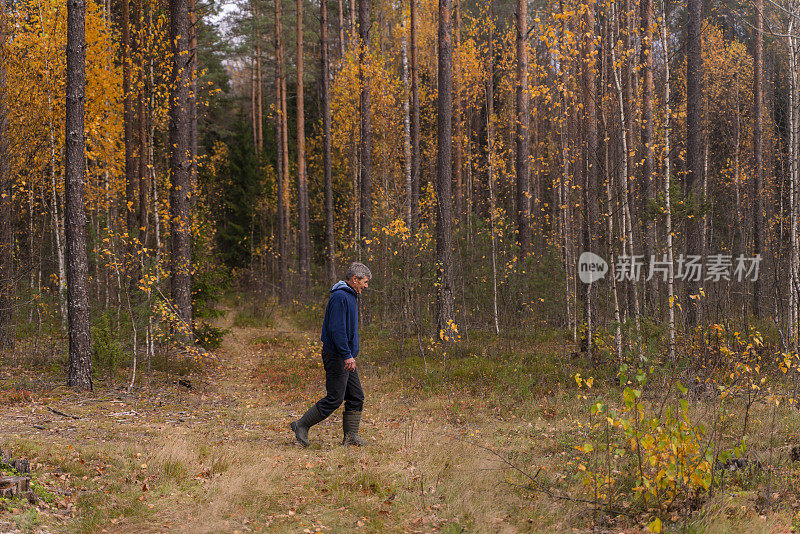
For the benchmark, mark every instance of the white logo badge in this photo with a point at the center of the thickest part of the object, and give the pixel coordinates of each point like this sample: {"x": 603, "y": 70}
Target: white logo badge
{"x": 591, "y": 267}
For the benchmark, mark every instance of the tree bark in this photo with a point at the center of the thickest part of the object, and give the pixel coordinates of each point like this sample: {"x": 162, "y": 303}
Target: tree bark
{"x": 647, "y": 158}
{"x": 415, "y": 123}
{"x": 180, "y": 165}
{"x": 490, "y": 121}
{"x": 364, "y": 23}
{"x": 522, "y": 125}
{"x": 259, "y": 87}
{"x": 79, "y": 374}
{"x": 591, "y": 221}
{"x": 7, "y": 299}
{"x": 624, "y": 173}
{"x": 458, "y": 163}
{"x": 758, "y": 148}
{"x": 341, "y": 31}
{"x": 131, "y": 166}
{"x": 193, "y": 98}
{"x": 253, "y": 111}
{"x": 326, "y": 141}
{"x": 406, "y": 127}
{"x": 304, "y": 245}
{"x": 667, "y": 205}
{"x": 694, "y": 159}
{"x": 142, "y": 137}
{"x": 282, "y": 156}
{"x": 444, "y": 175}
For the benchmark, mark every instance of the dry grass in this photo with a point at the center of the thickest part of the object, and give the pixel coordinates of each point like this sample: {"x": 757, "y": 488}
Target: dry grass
{"x": 220, "y": 457}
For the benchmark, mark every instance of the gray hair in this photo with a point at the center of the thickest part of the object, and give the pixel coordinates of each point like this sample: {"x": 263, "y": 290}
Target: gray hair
{"x": 359, "y": 270}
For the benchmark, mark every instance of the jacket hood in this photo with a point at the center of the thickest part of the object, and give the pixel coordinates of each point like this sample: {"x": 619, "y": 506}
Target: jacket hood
{"x": 341, "y": 284}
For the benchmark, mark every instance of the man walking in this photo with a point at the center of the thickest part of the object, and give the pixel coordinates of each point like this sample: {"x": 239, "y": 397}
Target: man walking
{"x": 339, "y": 351}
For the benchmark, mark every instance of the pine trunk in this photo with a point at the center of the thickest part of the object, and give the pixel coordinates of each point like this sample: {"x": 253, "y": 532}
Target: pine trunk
{"x": 180, "y": 166}
{"x": 444, "y": 175}
{"x": 694, "y": 158}
{"x": 458, "y": 163}
{"x": 364, "y": 22}
{"x": 326, "y": 141}
{"x": 142, "y": 124}
{"x": 79, "y": 374}
{"x": 341, "y": 31}
{"x": 304, "y": 245}
{"x": 282, "y": 156}
{"x": 6, "y": 214}
{"x": 521, "y": 132}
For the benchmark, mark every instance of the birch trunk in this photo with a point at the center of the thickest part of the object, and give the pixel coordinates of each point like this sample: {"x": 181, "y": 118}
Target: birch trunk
{"x": 623, "y": 179}
{"x": 667, "y": 206}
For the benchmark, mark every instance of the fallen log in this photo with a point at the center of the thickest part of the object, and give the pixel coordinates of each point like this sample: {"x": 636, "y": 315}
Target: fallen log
{"x": 62, "y": 414}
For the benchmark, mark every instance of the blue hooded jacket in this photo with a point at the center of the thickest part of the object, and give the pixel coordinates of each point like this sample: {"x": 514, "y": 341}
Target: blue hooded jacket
{"x": 340, "y": 326}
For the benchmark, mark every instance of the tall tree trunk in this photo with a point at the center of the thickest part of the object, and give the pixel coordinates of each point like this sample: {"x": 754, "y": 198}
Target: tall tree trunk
{"x": 490, "y": 122}
{"x": 341, "y": 31}
{"x": 694, "y": 159}
{"x": 562, "y": 187}
{"x": 794, "y": 166}
{"x": 253, "y": 110}
{"x": 667, "y": 177}
{"x": 758, "y": 147}
{"x": 366, "y": 125}
{"x": 7, "y": 299}
{"x": 180, "y": 165}
{"x": 458, "y": 163}
{"x": 131, "y": 167}
{"x": 304, "y": 244}
{"x": 326, "y": 140}
{"x": 647, "y": 158}
{"x": 609, "y": 180}
{"x": 259, "y": 88}
{"x": 522, "y": 125}
{"x": 415, "y": 124}
{"x": 353, "y": 15}
{"x": 406, "y": 126}
{"x": 193, "y": 99}
{"x": 624, "y": 175}
{"x": 79, "y": 374}
{"x": 58, "y": 226}
{"x": 284, "y": 139}
{"x": 444, "y": 175}
{"x": 591, "y": 220}
{"x": 142, "y": 124}
{"x": 282, "y": 157}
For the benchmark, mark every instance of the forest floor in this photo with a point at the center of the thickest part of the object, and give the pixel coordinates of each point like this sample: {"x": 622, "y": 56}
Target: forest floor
{"x": 212, "y": 452}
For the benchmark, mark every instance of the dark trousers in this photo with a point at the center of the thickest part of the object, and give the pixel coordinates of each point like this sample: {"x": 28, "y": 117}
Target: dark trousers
{"x": 342, "y": 386}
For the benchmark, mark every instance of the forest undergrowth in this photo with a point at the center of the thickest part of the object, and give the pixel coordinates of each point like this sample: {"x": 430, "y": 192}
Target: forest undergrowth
{"x": 487, "y": 435}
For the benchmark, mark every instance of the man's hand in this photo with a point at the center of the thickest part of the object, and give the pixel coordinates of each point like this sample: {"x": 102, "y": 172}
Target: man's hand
{"x": 350, "y": 364}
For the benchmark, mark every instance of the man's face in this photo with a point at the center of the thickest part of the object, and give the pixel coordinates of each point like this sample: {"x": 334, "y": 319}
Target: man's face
{"x": 359, "y": 284}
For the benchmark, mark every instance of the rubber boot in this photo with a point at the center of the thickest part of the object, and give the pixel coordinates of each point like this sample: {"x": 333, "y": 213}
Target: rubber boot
{"x": 350, "y": 421}
{"x": 301, "y": 426}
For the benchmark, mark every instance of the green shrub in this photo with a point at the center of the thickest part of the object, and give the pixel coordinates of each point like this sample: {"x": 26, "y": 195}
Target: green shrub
{"x": 209, "y": 337}
{"x": 107, "y": 352}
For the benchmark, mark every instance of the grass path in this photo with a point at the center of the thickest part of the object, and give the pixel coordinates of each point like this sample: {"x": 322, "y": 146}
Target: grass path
{"x": 219, "y": 457}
